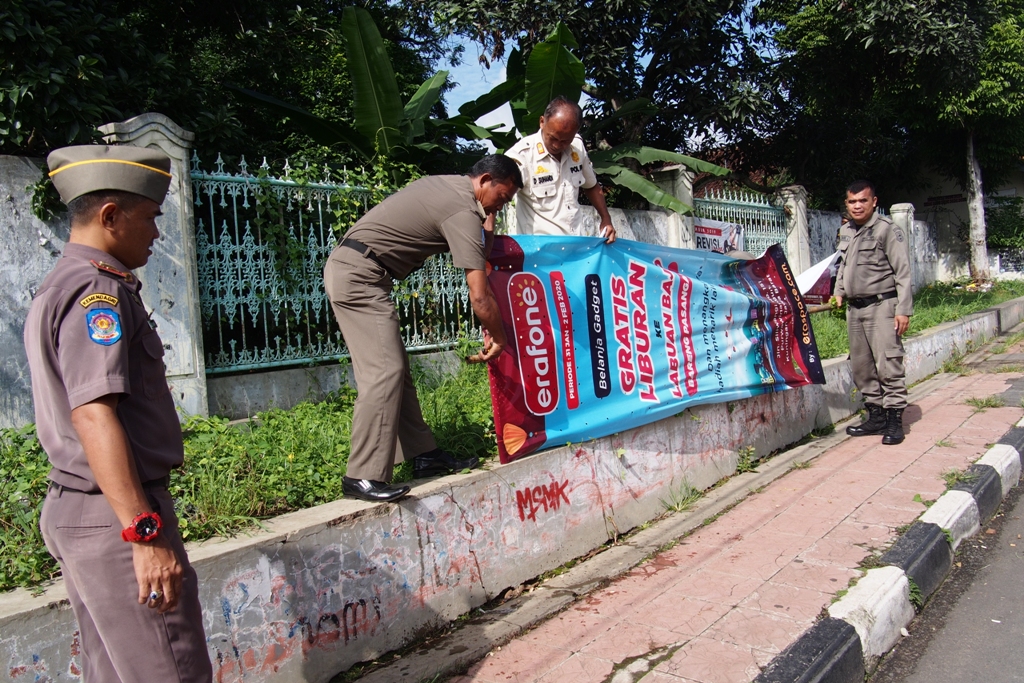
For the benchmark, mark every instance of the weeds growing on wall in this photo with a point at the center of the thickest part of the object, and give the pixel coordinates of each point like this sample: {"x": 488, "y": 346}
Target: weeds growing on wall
{"x": 939, "y": 303}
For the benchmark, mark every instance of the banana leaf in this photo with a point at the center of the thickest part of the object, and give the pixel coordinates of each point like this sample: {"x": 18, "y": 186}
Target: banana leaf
{"x": 377, "y": 106}
{"x": 620, "y": 175}
{"x": 419, "y": 105}
{"x": 488, "y": 102}
{"x": 324, "y": 132}
{"x": 647, "y": 155}
{"x": 551, "y": 71}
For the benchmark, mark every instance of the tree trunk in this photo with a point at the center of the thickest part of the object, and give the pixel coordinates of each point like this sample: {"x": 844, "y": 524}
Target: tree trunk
{"x": 976, "y": 211}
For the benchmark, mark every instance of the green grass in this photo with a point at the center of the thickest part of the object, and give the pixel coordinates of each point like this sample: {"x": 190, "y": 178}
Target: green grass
{"x": 682, "y": 498}
{"x": 1002, "y": 346}
{"x": 933, "y": 305}
{"x": 236, "y": 475}
{"x": 980, "y": 404}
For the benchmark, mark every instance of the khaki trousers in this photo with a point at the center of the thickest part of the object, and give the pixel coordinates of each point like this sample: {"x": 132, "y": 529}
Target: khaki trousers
{"x": 876, "y": 354}
{"x": 123, "y": 641}
{"x": 387, "y": 423}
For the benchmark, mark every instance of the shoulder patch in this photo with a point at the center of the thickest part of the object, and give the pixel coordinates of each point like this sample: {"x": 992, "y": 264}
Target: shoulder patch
{"x": 575, "y": 157}
{"x": 899, "y": 234}
{"x": 98, "y": 297}
{"x": 111, "y": 270}
{"x": 104, "y": 326}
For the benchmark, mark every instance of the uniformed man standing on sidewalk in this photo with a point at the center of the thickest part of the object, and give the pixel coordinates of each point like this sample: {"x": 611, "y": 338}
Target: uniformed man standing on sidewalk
{"x": 555, "y": 168}
{"x": 874, "y": 280}
{"x": 432, "y": 215}
{"x": 106, "y": 419}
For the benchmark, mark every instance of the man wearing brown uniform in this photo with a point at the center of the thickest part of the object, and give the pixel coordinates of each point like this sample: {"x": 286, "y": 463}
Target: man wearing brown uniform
{"x": 874, "y": 279}
{"x": 432, "y": 215}
{"x": 105, "y": 416}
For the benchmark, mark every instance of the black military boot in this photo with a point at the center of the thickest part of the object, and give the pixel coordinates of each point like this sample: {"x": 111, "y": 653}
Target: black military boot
{"x": 874, "y": 423}
{"x": 893, "y": 426}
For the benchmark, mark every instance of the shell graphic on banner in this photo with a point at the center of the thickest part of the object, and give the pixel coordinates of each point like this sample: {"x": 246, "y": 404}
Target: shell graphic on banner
{"x": 605, "y": 337}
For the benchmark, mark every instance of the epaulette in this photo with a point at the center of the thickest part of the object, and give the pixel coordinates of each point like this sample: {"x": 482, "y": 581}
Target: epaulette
{"x": 111, "y": 270}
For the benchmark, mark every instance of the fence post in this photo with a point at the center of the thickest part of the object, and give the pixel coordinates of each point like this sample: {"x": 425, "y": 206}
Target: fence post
{"x": 170, "y": 280}
{"x": 902, "y": 215}
{"x": 798, "y": 243}
{"x": 677, "y": 180}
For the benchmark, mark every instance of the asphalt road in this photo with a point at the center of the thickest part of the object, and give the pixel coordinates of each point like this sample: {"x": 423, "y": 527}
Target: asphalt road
{"x": 972, "y": 628}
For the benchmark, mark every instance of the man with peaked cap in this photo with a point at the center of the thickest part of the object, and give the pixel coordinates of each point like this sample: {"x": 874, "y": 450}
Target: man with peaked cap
{"x": 106, "y": 419}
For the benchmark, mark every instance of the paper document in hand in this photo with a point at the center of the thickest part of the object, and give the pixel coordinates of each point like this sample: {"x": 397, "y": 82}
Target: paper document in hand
{"x": 815, "y": 283}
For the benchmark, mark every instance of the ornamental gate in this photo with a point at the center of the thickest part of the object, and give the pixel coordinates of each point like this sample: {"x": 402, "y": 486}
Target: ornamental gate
{"x": 765, "y": 223}
{"x": 261, "y": 245}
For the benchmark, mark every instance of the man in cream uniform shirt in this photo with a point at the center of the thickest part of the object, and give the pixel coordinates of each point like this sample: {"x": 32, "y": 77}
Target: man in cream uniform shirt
{"x": 555, "y": 166}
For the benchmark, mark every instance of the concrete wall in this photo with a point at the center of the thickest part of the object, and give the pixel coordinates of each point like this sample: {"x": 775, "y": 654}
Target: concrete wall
{"x": 823, "y": 227}
{"x": 322, "y": 589}
{"x": 28, "y": 251}
{"x": 242, "y": 396}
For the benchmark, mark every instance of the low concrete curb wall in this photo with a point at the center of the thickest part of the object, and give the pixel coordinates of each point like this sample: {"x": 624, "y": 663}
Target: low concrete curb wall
{"x": 322, "y": 589}
{"x": 879, "y": 606}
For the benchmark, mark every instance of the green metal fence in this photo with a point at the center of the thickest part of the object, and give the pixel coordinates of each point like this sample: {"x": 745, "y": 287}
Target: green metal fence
{"x": 763, "y": 220}
{"x": 261, "y": 244}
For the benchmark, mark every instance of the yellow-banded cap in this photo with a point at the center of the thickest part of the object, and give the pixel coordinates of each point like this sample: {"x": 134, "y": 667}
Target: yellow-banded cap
{"x": 82, "y": 169}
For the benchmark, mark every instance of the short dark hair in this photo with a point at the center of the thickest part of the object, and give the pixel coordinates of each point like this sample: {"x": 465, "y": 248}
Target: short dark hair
{"x": 500, "y": 167}
{"x": 564, "y": 104}
{"x": 82, "y": 208}
{"x": 858, "y": 186}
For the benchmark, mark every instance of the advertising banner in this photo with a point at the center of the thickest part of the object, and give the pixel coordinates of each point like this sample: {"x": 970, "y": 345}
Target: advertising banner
{"x": 606, "y": 337}
{"x": 717, "y": 236}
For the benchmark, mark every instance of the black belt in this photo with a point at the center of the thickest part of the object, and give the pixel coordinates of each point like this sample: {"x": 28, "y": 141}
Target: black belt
{"x": 862, "y": 301}
{"x": 368, "y": 253}
{"x": 161, "y": 483}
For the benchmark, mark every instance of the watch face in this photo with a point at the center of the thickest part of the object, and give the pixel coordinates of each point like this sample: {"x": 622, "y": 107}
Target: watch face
{"x": 146, "y": 527}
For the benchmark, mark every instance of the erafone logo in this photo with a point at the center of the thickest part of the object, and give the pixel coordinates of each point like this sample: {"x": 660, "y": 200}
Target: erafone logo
{"x": 535, "y": 342}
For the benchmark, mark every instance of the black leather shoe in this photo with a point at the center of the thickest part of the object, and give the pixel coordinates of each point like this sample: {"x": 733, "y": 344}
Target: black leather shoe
{"x": 372, "y": 491}
{"x": 440, "y": 462}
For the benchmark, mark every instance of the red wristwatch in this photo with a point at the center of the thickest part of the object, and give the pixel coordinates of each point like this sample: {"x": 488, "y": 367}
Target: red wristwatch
{"x": 143, "y": 529}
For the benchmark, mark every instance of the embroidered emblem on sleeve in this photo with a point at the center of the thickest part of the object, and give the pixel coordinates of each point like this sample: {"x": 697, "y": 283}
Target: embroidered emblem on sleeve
{"x": 575, "y": 157}
{"x": 104, "y": 326}
{"x": 98, "y": 297}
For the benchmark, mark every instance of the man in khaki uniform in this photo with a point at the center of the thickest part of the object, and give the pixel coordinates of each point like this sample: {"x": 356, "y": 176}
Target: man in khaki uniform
{"x": 874, "y": 279}
{"x": 432, "y": 215}
{"x": 555, "y": 167}
{"x": 105, "y": 416}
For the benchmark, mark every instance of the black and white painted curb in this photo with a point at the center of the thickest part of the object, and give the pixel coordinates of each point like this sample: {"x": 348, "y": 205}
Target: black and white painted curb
{"x": 866, "y": 622}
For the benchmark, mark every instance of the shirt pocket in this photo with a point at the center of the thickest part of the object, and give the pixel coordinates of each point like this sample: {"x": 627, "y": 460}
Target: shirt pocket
{"x": 868, "y": 253}
{"x": 154, "y": 380}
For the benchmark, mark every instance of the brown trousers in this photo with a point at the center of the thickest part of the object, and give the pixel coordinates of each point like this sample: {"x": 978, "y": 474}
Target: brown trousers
{"x": 876, "y": 354}
{"x": 123, "y": 641}
{"x": 387, "y": 423}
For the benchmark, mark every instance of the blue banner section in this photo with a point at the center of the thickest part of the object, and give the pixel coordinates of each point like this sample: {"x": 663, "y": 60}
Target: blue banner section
{"x": 604, "y": 337}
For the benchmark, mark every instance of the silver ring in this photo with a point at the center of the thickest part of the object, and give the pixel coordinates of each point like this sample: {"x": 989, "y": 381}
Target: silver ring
{"x": 155, "y": 595}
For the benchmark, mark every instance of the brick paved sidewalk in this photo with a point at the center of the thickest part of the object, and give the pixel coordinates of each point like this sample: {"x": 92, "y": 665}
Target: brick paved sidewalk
{"x": 728, "y": 598}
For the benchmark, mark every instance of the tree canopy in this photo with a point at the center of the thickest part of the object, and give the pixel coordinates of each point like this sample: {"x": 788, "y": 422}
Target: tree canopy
{"x": 69, "y": 67}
